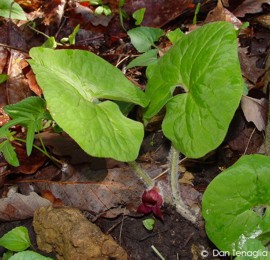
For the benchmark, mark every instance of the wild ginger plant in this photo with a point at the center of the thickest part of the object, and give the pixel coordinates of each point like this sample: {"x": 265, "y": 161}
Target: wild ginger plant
{"x": 80, "y": 89}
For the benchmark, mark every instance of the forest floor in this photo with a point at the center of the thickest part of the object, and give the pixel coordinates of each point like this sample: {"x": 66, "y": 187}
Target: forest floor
{"x": 107, "y": 191}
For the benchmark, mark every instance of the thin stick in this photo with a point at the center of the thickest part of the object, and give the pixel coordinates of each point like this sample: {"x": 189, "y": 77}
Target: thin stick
{"x": 13, "y": 48}
{"x": 121, "y": 226}
{"x": 161, "y": 174}
{"x": 157, "y": 252}
{"x": 249, "y": 139}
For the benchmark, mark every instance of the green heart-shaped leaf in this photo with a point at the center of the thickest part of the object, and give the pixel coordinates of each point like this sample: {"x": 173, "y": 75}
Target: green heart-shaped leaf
{"x": 236, "y": 203}
{"x": 205, "y": 65}
{"x": 143, "y": 38}
{"x": 73, "y": 81}
{"x": 16, "y": 239}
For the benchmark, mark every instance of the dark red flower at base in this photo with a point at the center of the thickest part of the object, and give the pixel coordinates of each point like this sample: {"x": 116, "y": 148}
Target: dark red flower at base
{"x": 152, "y": 201}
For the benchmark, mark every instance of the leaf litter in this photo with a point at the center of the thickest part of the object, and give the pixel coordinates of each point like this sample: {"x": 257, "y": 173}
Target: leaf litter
{"x": 95, "y": 188}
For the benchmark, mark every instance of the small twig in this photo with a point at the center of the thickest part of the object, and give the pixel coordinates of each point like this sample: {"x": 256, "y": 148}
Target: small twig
{"x": 187, "y": 240}
{"x": 149, "y": 235}
{"x": 153, "y": 235}
{"x": 115, "y": 225}
{"x": 161, "y": 174}
{"x": 13, "y": 48}
{"x": 121, "y": 60}
{"x": 121, "y": 226}
{"x": 158, "y": 253}
{"x": 249, "y": 139}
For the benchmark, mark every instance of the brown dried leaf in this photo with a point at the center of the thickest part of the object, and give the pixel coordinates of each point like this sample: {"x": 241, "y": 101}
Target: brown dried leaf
{"x": 250, "y": 7}
{"x": 3, "y": 58}
{"x": 119, "y": 187}
{"x": 4, "y": 118}
{"x": 242, "y": 137}
{"x": 187, "y": 178}
{"x": 264, "y": 20}
{"x": 28, "y": 164}
{"x": 17, "y": 86}
{"x": 53, "y": 12}
{"x": 255, "y": 110}
{"x": 30, "y": 5}
{"x": 248, "y": 66}
{"x": 30, "y": 76}
{"x": 222, "y": 14}
{"x": 17, "y": 206}
{"x": 159, "y": 13}
{"x": 33, "y": 83}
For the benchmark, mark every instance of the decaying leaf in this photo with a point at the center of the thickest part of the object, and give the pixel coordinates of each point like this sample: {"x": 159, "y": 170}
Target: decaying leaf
{"x": 250, "y": 7}
{"x": 255, "y": 110}
{"x": 159, "y": 13}
{"x": 17, "y": 206}
{"x": 248, "y": 66}
{"x": 222, "y": 14}
{"x": 187, "y": 178}
{"x": 96, "y": 191}
{"x": 16, "y": 85}
{"x": 264, "y": 20}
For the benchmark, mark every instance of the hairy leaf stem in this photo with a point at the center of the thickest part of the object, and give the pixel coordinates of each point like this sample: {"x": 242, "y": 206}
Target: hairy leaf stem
{"x": 141, "y": 174}
{"x": 175, "y": 187}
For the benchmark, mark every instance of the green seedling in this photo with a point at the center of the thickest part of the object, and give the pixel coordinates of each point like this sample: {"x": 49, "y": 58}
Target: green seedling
{"x": 10, "y": 9}
{"x": 197, "y": 10}
{"x": 138, "y": 15}
{"x": 17, "y": 240}
{"x": 51, "y": 41}
{"x": 149, "y": 224}
{"x": 71, "y": 38}
{"x": 143, "y": 39}
{"x": 175, "y": 35}
{"x": 235, "y": 207}
{"x": 101, "y": 8}
{"x": 122, "y": 13}
{"x": 29, "y": 113}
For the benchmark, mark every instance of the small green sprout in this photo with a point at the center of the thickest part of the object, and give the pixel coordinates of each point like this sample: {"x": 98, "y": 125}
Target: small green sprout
{"x": 149, "y": 224}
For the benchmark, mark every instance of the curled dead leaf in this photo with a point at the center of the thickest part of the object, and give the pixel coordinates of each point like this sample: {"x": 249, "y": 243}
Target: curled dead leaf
{"x": 255, "y": 110}
{"x": 250, "y": 7}
{"x": 17, "y": 206}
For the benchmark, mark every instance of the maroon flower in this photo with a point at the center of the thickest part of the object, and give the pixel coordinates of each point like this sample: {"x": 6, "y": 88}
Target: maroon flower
{"x": 152, "y": 201}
